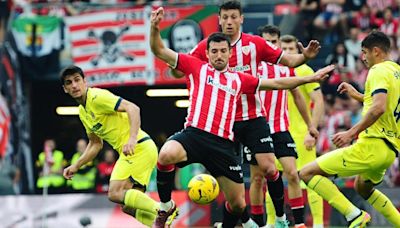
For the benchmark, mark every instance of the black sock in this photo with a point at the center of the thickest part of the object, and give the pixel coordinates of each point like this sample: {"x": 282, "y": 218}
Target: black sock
{"x": 275, "y": 189}
{"x": 298, "y": 215}
{"x": 245, "y": 216}
{"x": 259, "y": 219}
{"x": 165, "y": 184}
{"x": 230, "y": 220}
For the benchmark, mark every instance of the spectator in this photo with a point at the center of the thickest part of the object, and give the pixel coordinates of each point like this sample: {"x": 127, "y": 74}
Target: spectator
{"x": 309, "y": 9}
{"x": 329, "y": 17}
{"x": 364, "y": 19}
{"x": 54, "y": 160}
{"x": 84, "y": 180}
{"x": 9, "y": 177}
{"x": 4, "y": 14}
{"x": 388, "y": 24}
{"x": 104, "y": 171}
{"x": 353, "y": 43}
{"x": 342, "y": 58}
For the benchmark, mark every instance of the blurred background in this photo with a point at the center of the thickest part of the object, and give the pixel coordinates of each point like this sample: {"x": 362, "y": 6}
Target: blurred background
{"x": 109, "y": 40}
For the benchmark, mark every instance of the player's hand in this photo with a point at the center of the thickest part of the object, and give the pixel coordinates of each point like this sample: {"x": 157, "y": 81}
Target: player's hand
{"x": 70, "y": 171}
{"x": 343, "y": 138}
{"x": 128, "y": 148}
{"x": 313, "y": 132}
{"x": 345, "y": 87}
{"x": 323, "y": 73}
{"x": 311, "y": 50}
{"x": 156, "y": 16}
{"x": 309, "y": 142}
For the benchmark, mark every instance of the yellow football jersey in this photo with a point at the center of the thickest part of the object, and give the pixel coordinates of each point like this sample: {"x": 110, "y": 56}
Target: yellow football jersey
{"x": 297, "y": 126}
{"x": 384, "y": 77}
{"x": 99, "y": 116}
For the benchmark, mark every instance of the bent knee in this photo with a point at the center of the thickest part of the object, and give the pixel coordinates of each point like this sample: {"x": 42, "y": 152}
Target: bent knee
{"x": 114, "y": 196}
{"x": 292, "y": 176}
{"x": 238, "y": 205}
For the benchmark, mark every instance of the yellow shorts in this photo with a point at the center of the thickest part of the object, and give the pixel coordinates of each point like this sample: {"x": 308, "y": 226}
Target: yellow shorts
{"x": 139, "y": 166}
{"x": 368, "y": 157}
{"x": 304, "y": 156}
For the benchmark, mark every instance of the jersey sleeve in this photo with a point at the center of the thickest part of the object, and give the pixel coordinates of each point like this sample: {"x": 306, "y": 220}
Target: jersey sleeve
{"x": 250, "y": 83}
{"x": 307, "y": 71}
{"x": 199, "y": 51}
{"x": 268, "y": 52}
{"x": 378, "y": 80}
{"x": 105, "y": 102}
{"x": 188, "y": 64}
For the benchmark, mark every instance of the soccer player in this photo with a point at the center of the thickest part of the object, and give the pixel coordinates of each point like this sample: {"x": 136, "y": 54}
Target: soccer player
{"x": 251, "y": 128}
{"x": 276, "y": 105}
{"x": 117, "y": 121}
{"x": 207, "y": 137}
{"x": 378, "y": 141}
{"x": 305, "y": 143}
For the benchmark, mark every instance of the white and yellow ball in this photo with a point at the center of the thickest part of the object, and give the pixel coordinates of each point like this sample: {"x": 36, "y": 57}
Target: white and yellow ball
{"x": 203, "y": 189}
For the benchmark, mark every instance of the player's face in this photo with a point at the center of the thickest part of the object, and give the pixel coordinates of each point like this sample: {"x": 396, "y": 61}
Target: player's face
{"x": 230, "y": 21}
{"x": 75, "y": 85}
{"x": 272, "y": 38}
{"x": 218, "y": 54}
{"x": 368, "y": 57}
{"x": 290, "y": 48}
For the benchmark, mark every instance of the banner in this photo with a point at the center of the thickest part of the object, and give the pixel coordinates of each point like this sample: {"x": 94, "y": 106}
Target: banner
{"x": 112, "y": 46}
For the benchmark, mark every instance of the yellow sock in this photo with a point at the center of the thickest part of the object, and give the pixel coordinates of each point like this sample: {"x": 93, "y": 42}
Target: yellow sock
{"x": 383, "y": 204}
{"x": 269, "y": 205}
{"x": 139, "y": 200}
{"x": 316, "y": 206}
{"x": 328, "y": 190}
{"x": 145, "y": 217}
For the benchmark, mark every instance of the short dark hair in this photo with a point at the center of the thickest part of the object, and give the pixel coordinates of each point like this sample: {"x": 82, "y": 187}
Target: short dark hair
{"x": 218, "y": 37}
{"x": 376, "y": 39}
{"x": 271, "y": 29}
{"x": 70, "y": 70}
{"x": 230, "y": 5}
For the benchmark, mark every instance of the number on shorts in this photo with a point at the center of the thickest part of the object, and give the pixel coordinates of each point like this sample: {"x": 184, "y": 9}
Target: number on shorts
{"x": 397, "y": 111}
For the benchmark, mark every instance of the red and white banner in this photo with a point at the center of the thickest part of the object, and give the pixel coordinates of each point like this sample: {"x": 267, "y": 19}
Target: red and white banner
{"x": 112, "y": 46}
{"x": 5, "y": 120}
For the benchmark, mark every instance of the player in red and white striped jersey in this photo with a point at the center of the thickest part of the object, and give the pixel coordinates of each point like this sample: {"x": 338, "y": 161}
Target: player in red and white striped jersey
{"x": 276, "y": 105}
{"x": 250, "y": 127}
{"x": 205, "y": 138}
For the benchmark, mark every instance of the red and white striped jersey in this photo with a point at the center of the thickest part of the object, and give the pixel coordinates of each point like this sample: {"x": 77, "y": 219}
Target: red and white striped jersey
{"x": 275, "y": 101}
{"x": 213, "y": 95}
{"x": 247, "y": 53}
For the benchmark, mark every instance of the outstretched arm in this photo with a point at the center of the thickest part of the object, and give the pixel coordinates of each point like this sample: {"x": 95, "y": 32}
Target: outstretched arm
{"x": 157, "y": 46}
{"x": 290, "y": 83}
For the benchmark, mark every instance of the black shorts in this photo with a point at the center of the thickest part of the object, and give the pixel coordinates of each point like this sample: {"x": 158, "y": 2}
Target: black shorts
{"x": 284, "y": 146}
{"x": 214, "y": 152}
{"x": 254, "y": 134}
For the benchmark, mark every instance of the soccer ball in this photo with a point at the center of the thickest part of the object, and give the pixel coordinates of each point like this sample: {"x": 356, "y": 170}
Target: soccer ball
{"x": 203, "y": 189}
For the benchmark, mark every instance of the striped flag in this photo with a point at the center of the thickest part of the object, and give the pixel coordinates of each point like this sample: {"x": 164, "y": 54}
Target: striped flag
{"x": 112, "y": 46}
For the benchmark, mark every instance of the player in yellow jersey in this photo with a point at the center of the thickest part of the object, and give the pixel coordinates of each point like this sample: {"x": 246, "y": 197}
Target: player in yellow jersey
{"x": 305, "y": 143}
{"x": 117, "y": 121}
{"x": 378, "y": 139}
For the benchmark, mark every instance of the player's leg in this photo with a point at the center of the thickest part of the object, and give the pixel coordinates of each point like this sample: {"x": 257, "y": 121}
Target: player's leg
{"x": 285, "y": 151}
{"x": 257, "y": 185}
{"x": 295, "y": 193}
{"x": 366, "y": 182}
{"x": 343, "y": 162}
{"x": 269, "y": 206}
{"x": 235, "y": 202}
{"x": 315, "y": 201}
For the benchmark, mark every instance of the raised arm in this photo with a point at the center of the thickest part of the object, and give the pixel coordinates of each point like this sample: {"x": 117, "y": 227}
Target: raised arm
{"x": 309, "y": 52}
{"x": 157, "y": 46}
{"x": 133, "y": 112}
{"x": 293, "y": 82}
